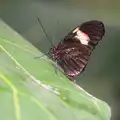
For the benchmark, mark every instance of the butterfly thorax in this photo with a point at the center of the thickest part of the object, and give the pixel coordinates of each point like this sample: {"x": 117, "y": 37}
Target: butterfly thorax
{"x": 59, "y": 52}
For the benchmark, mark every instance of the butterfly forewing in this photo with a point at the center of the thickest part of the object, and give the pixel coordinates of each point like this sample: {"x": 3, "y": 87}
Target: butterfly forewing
{"x": 74, "y": 50}
{"x": 94, "y": 29}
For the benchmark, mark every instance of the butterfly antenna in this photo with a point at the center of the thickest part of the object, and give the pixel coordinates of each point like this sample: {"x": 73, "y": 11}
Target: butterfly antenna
{"x": 44, "y": 31}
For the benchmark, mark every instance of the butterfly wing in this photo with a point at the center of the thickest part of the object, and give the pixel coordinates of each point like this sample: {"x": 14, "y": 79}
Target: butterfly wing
{"x": 75, "y": 61}
{"x": 74, "y": 50}
{"x": 94, "y": 29}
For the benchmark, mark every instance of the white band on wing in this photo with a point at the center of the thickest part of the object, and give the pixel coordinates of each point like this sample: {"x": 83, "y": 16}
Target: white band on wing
{"x": 81, "y": 36}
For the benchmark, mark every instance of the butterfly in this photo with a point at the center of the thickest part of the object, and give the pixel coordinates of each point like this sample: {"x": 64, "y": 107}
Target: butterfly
{"x": 73, "y": 52}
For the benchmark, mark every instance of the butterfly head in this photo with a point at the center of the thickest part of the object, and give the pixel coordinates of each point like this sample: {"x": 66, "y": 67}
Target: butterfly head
{"x": 53, "y": 53}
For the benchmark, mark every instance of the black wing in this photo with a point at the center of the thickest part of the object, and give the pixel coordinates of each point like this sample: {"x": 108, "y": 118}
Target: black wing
{"x": 94, "y": 29}
{"x": 73, "y": 54}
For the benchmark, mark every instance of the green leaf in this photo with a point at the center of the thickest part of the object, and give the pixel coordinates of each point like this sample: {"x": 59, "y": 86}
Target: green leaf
{"x": 31, "y": 90}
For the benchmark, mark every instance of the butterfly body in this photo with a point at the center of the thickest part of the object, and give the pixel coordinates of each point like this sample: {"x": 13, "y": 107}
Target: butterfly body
{"x": 73, "y": 52}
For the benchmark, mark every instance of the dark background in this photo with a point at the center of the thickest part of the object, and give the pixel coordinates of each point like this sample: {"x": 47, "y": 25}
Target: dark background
{"x": 102, "y": 75}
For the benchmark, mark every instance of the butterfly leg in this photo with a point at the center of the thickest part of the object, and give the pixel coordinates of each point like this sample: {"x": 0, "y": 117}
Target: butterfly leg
{"x": 56, "y": 67}
{"x": 38, "y": 57}
{"x": 44, "y": 54}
